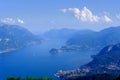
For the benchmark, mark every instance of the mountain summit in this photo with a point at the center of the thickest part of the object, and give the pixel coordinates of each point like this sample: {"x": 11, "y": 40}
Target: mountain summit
{"x": 13, "y": 37}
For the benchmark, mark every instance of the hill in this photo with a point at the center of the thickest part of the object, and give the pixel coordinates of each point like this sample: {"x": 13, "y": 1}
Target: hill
{"x": 107, "y": 61}
{"x": 91, "y": 40}
{"x": 13, "y": 37}
{"x": 63, "y": 33}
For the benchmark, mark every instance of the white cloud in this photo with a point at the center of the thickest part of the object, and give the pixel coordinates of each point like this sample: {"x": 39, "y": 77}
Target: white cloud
{"x": 11, "y": 21}
{"x": 20, "y": 21}
{"x": 107, "y": 19}
{"x": 86, "y": 15}
{"x": 8, "y": 21}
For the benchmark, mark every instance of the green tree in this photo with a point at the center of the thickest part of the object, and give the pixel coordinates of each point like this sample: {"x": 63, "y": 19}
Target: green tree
{"x": 11, "y": 78}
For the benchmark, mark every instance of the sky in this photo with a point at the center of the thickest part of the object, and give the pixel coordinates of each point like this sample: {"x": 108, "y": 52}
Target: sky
{"x": 41, "y": 15}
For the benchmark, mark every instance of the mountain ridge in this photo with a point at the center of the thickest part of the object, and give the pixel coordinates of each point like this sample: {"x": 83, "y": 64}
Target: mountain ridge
{"x": 91, "y": 40}
{"x": 13, "y": 37}
{"x": 106, "y": 61}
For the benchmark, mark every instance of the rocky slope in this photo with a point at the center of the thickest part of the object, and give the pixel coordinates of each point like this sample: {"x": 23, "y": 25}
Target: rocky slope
{"x": 107, "y": 61}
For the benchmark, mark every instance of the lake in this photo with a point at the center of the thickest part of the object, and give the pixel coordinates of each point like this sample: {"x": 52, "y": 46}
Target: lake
{"x": 36, "y": 61}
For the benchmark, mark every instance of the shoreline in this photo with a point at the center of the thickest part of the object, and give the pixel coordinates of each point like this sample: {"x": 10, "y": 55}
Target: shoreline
{"x": 7, "y": 50}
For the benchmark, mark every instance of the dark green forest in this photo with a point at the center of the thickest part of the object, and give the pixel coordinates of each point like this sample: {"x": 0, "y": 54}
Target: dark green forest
{"x": 28, "y": 78}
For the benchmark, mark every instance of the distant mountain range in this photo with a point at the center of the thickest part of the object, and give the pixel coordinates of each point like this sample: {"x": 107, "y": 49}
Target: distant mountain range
{"x": 13, "y": 37}
{"x": 107, "y": 61}
{"x": 59, "y": 33}
{"x": 91, "y": 40}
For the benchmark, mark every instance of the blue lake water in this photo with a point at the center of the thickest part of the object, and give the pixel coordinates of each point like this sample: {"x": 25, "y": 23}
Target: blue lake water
{"x": 36, "y": 61}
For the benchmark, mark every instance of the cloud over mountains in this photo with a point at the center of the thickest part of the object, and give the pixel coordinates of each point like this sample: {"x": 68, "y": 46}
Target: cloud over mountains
{"x": 86, "y": 15}
{"x": 11, "y": 21}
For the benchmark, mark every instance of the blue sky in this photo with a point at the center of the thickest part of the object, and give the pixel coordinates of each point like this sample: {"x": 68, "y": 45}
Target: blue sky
{"x": 41, "y": 15}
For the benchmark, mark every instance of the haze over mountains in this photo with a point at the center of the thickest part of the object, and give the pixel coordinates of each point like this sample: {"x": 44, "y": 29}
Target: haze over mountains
{"x": 62, "y": 34}
{"x": 13, "y": 37}
{"x": 60, "y": 39}
{"x": 91, "y": 40}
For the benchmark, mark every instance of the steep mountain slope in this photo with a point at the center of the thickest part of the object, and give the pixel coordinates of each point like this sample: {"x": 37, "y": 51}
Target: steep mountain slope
{"x": 91, "y": 40}
{"x": 97, "y": 39}
{"x": 107, "y": 61}
{"x": 13, "y": 37}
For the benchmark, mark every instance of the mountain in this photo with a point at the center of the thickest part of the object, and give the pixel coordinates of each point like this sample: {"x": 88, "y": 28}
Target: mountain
{"x": 96, "y": 77}
{"x": 59, "y": 33}
{"x": 13, "y": 37}
{"x": 91, "y": 40}
{"x": 97, "y": 39}
{"x": 107, "y": 61}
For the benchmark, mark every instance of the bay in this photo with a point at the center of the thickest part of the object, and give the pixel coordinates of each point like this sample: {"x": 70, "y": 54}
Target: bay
{"x": 36, "y": 61}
